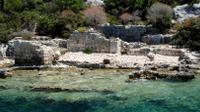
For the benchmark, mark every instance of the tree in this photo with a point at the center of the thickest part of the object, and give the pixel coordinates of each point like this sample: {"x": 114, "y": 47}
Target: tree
{"x": 2, "y": 5}
{"x": 75, "y": 5}
{"x": 95, "y": 15}
{"x": 160, "y": 16}
{"x": 12, "y": 5}
{"x": 125, "y": 18}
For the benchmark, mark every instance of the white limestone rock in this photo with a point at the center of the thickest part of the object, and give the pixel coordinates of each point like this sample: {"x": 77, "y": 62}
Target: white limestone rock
{"x": 183, "y": 12}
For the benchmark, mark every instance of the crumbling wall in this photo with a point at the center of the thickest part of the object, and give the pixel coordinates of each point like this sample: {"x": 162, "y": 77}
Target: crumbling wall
{"x": 93, "y": 40}
{"x": 32, "y": 53}
{"x": 129, "y": 33}
{"x": 169, "y": 52}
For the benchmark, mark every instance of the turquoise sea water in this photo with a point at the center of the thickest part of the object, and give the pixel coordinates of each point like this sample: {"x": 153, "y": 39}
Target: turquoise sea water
{"x": 138, "y": 96}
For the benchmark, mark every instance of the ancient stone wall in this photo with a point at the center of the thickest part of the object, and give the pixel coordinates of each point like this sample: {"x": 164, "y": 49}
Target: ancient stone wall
{"x": 157, "y": 39}
{"x": 168, "y": 52}
{"x": 92, "y": 40}
{"x": 139, "y": 52}
{"x": 32, "y": 53}
{"x": 129, "y": 33}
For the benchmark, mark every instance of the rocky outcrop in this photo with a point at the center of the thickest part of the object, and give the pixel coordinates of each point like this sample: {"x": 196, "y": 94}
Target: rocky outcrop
{"x": 156, "y": 74}
{"x": 4, "y": 74}
{"x": 32, "y": 53}
{"x": 185, "y": 12}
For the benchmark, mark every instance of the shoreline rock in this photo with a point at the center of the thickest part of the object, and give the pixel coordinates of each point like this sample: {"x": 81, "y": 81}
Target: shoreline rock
{"x": 4, "y": 74}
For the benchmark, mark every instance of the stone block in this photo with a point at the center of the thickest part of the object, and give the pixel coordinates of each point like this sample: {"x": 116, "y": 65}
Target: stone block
{"x": 32, "y": 53}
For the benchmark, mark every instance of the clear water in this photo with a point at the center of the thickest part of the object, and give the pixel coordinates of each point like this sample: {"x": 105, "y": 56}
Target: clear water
{"x": 138, "y": 96}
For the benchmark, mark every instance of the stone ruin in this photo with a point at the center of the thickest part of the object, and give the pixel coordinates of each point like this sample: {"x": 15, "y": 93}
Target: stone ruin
{"x": 32, "y": 53}
{"x": 135, "y": 33}
{"x": 94, "y": 41}
{"x": 41, "y": 50}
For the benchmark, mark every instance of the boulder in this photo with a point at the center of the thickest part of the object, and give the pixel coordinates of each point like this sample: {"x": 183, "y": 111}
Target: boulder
{"x": 185, "y": 75}
{"x": 32, "y": 53}
{"x": 4, "y": 74}
{"x": 163, "y": 65}
{"x": 151, "y": 56}
{"x": 135, "y": 75}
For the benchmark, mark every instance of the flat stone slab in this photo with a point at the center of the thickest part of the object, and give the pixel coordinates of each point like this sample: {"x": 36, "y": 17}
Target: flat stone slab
{"x": 116, "y": 61}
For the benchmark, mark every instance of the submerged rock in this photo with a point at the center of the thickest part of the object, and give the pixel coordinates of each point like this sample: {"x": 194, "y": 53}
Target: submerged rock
{"x": 4, "y": 74}
{"x": 181, "y": 72}
{"x": 182, "y": 76}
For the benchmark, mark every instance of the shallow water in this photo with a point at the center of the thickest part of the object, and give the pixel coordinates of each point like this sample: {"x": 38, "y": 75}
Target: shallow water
{"x": 16, "y": 93}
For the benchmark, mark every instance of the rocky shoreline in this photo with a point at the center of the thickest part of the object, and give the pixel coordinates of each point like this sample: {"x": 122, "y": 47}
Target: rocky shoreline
{"x": 92, "y": 50}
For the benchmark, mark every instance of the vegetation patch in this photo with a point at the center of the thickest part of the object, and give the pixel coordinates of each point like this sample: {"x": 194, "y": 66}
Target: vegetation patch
{"x": 88, "y": 51}
{"x": 188, "y": 35}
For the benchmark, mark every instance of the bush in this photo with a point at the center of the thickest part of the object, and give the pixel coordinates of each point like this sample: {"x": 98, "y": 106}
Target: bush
{"x": 95, "y": 15}
{"x": 75, "y": 5}
{"x": 61, "y": 26}
{"x": 13, "y": 5}
{"x": 4, "y": 35}
{"x": 160, "y": 16}
{"x": 82, "y": 29}
{"x": 118, "y": 7}
{"x": 125, "y": 18}
{"x": 188, "y": 35}
{"x": 88, "y": 51}
{"x": 112, "y": 19}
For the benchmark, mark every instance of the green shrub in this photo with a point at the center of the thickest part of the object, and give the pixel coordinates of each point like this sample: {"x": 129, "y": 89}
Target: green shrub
{"x": 160, "y": 16}
{"x": 4, "y": 35}
{"x": 112, "y": 19}
{"x": 82, "y": 29}
{"x": 75, "y": 5}
{"x": 88, "y": 51}
{"x": 13, "y": 5}
{"x": 188, "y": 35}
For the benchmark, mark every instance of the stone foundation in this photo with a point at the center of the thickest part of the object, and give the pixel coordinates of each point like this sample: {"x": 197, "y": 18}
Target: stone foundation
{"x": 169, "y": 52}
